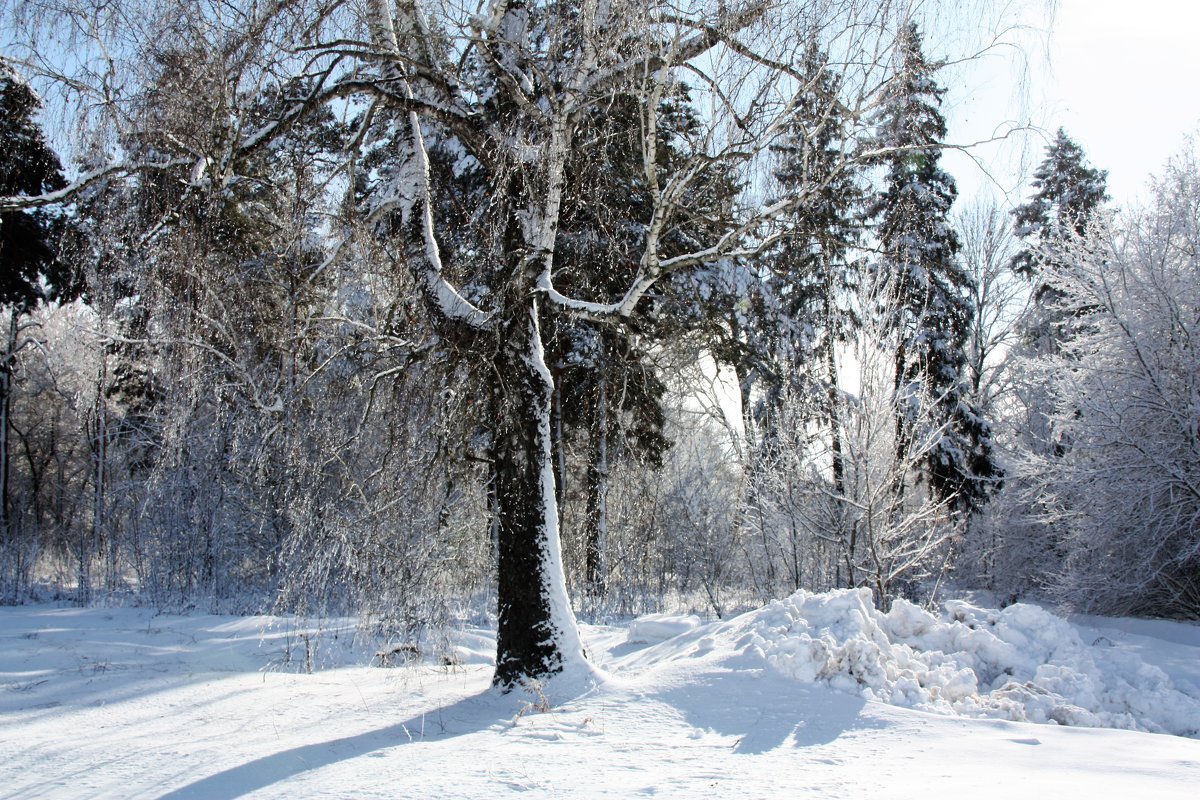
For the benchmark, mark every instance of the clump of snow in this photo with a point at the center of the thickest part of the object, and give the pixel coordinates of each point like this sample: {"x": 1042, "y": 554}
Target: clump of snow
{"x": 654, "y": 628}
{"x": 1020, "y": 663}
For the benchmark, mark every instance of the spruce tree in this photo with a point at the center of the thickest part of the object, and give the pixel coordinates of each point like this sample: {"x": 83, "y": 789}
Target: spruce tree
{"x": 607, "y": 395}
{"x": 814, "y": 269}
{"x": 30, "y": 272}
{"x": 609, "y": 383}
{"x": 1067, "y": 192}
{"x": 928, "y": 286}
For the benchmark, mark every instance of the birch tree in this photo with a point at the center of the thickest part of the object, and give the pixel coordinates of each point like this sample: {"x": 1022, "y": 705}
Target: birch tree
{"x": 544, "y": 67}
{"x": 998, "y": 301}
{"x": 507, "y": 91}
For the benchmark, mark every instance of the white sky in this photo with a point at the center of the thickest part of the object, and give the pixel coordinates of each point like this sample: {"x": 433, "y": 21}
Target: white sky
{"x": 1122, "y": 76}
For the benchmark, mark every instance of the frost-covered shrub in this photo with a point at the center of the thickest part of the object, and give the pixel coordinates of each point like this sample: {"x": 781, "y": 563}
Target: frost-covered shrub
{"x": 1118, "y": 492}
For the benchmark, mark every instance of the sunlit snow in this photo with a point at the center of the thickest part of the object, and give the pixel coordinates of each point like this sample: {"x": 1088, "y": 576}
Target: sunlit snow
{"x": 813, "y": 696}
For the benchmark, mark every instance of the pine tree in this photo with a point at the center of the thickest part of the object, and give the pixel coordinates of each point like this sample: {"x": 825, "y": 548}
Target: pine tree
{"x": 929, "y": 288}
{"x": 1067, "y": 192}
{"x": 814, "y": 269}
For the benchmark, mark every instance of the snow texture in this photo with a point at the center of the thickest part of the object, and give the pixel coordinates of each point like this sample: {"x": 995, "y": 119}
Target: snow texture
{"x": 127, "y": 703}
{"x": 654, "y": 628}
{"x": 1020, "y": 663}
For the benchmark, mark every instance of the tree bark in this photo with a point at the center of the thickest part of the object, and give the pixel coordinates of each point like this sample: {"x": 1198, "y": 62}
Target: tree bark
{"x": 537, "y": 635}
{"x": 835, "y": 425}
{"x": 597, "y": 488}
{"x": 904, "y": 428}
{"x": 559, "y": 446}
{"x": 6, "y": 370}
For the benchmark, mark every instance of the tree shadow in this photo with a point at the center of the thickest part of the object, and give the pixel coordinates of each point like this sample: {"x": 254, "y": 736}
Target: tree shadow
{"x": 56, "y": 659}
{"x": 766, "y": 712}
{"x": 469, "y": 715}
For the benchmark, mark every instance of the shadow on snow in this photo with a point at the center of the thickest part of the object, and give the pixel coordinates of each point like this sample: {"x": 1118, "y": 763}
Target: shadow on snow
{"x": 491, "y": 709}
{"x": 764, "y": 713}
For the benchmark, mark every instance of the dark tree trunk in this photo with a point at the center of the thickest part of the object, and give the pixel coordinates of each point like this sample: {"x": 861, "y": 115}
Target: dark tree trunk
{"x": 597, "y": 489}
{"x": 559, "y": 446}
{"x": 6, "y": 373}
{"x": 835, "y": 429}
{"x": 904, "y": 428}
{"x": 100, "y": 539}
{"x": 537, "y": 635}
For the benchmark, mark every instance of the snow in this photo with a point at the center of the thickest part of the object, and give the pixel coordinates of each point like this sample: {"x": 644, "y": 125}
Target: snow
{"x": 654, "y": 628}
{"x": 554, "y": 588}
{"x": 1020, "y": 663}
{"x": 127, "y": 703}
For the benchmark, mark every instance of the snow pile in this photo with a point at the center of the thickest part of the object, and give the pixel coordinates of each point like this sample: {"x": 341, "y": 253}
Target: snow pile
{"x": 1020, "y": 663}
{"x": 654, "y": 628}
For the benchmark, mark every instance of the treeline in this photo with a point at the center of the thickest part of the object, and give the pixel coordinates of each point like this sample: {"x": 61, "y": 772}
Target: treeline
{"x": 362, "y": 307}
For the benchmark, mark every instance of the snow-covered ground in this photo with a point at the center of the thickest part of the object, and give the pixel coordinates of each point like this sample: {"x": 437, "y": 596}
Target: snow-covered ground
{"x": 814, "y": 696}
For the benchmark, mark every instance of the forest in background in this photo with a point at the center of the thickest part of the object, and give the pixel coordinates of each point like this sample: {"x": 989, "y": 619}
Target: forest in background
{"x": 325, "y": 282}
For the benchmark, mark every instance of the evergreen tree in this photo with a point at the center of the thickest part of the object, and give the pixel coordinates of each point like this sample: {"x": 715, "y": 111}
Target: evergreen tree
{"x": 30, "y": 273}
{"x": 928, "y": 287}
{"x": 1067, "y": 192}
{"x": 607, "y": 382}
{"x": 795, "y": 312}
{"x": 814, "y": 269}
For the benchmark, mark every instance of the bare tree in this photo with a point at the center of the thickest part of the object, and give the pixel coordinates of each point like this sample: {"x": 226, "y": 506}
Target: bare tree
{"x": 998, "y": 299}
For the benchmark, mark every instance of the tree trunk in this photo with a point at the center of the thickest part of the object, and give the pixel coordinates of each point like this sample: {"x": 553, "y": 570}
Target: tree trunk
{"x": 835, "y": 426}
{"x": 904, "y": 429}
{"x": 559, "y": 446}
{"x": 597, "y": 488}
{"x": 100, "y": 543}
{"x": 6, "y": 370}
{"x": 537, "y": 634}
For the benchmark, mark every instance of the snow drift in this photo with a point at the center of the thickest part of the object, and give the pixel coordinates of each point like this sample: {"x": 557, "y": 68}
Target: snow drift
{"x": 653, "y": 628}
{"x": 1020, "y": 663}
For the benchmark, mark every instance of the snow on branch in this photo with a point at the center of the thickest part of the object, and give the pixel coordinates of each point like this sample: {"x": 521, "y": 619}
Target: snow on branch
{"x": 71, "y": 190}
{"x": 411, "y": 194}
{"x": 680, "y": 51}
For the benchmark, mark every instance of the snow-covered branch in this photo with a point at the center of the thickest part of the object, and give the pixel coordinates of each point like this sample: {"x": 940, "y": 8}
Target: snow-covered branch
{"x": 72, "y": 190}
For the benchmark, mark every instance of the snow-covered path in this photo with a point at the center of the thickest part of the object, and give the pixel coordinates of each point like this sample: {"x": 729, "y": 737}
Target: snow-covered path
{"x": 123, "y": 703}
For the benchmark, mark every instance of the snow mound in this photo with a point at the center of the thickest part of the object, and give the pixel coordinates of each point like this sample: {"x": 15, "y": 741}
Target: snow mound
{"x": 654, "y": 628}
{"x": 1021, "y": 663}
